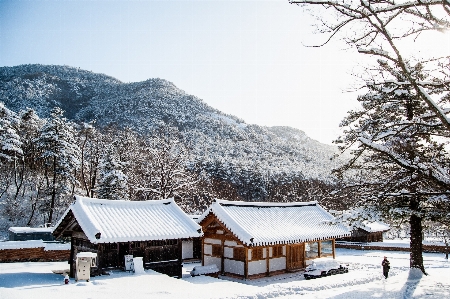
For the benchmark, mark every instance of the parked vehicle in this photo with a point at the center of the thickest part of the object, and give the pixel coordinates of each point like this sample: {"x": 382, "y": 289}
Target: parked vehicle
{"x": 326, "y": 267}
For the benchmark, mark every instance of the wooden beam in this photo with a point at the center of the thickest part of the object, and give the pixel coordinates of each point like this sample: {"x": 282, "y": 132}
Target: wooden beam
{"x": 268, "y": 261}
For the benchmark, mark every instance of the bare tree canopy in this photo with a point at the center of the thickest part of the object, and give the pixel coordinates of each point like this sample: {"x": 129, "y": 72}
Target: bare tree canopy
{"x": 378, "y": 27}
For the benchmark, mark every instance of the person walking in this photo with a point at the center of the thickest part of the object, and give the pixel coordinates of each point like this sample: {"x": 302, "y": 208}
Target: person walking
{"x": 386, "y": 266}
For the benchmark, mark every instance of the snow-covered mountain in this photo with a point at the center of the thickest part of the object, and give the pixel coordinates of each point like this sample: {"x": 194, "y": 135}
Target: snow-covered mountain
{"x": 217, "y": 138}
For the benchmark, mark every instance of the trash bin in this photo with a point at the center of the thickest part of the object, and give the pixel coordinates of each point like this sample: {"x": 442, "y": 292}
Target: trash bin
{"x": 85, "y": 261}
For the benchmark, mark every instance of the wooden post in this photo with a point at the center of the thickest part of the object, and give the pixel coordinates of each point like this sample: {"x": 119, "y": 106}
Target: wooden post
{"x": 203, "y": 251}
{"x": 180, "y": 258}
{"x": 100, "y": 250}
{"x": 72, "y": 258}
{"x": 222, "y": 250}
{"x": 118, "y": 255}
{"x": 246, "y": 263}
{"x": 268, "y": 260}
{"x": 334, "y": 249}
{"x": 304, "y": 255}
{"x": 319, "y": 248}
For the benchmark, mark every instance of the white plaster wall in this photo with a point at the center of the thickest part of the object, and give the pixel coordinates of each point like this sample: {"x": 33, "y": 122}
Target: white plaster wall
{"x": 207, "y": 249}
{"x": 210, "y": 260}
{"x": 231, "y": 243}
{"x": 249, "y": 256}
{"x": 257, "y": 267}
{"x": 284, "y": 250}
{"x": 236, "y": 267}
{"x": 228, "y": 252}
{"x": 187, "y": 249}
{"x": 277, "y": 264}
{"x": 212, "y": 241}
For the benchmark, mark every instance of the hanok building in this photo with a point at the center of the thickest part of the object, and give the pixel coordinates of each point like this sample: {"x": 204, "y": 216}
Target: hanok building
{"x": 250, "y": 239}
{"x": 153, "y": 230}
{"x": 30, "y": 233}
{"x": 368, "y": 232}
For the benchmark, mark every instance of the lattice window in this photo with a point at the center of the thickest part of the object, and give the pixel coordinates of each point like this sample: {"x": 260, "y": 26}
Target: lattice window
{"x": 257, "y": 254}
{"x": 216, "y": 250}
{"x": 277, "y": 251}
{"x": 239, "y": 253}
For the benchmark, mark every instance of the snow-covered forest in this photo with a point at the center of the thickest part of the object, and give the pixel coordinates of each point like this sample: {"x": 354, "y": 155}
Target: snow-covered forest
{"x": 45, "y": 161}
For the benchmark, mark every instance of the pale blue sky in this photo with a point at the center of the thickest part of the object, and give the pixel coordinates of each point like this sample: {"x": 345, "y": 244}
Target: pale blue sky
{"x": 245, "y": 58}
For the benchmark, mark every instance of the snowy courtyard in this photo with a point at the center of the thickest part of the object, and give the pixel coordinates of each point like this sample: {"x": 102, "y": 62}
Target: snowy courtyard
{"x": 364, "y": 280}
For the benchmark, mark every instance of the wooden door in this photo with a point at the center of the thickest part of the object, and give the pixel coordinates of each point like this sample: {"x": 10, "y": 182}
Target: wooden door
{"x": 295, "y": 256}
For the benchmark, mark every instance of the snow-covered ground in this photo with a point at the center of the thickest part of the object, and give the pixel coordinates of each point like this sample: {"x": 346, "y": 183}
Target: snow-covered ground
{"x": 364, "y": 280}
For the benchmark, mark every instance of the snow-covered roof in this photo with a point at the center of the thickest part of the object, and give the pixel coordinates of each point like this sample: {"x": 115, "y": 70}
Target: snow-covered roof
{"x": 258, "y": 224}
{"x": 111, "y": 221}
{"x": 34, "y": 244}
{"x": 22, "y": 230}
{"x": 21, "y": 244}
{"x": 86, "y": 254}
{"x": 375, "y": 226}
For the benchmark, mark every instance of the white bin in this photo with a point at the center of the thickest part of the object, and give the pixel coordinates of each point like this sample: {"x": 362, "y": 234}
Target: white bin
{"x": 138, "y": 265}
{"x": 85, "y": 261}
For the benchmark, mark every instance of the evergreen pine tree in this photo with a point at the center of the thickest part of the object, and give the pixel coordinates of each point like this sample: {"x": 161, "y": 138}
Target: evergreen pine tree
{"x": 112, "y": 183}
{"x": 60, "y": 156}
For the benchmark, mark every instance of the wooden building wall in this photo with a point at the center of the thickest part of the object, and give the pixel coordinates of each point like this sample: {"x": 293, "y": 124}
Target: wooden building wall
{"x": 33, "y": 255}
{"x": 360, "y": 235}
{"x": 233, "y": 258}
{"x": 164, "y": 256}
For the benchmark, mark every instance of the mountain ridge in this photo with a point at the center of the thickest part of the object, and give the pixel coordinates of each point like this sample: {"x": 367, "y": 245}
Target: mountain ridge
{"x": 145, "y": 105}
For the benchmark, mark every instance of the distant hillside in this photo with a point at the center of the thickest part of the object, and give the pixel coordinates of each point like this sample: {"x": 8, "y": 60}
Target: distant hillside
{"x": 217, "y": 138}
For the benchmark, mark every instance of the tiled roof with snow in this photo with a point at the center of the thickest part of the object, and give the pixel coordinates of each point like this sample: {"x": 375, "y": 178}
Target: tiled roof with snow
{"x": 34, "y": 244}
{"x": 259, "y": 224}
{"x": 24, "y": 229}
{"x": 373, "y": 227}
{"x": 111, "y": 221}
{"x": 21, "y": 244}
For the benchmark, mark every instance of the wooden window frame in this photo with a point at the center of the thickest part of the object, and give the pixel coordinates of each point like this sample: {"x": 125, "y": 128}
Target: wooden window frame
{"x": 239, "y": 253}
{"x": 318, "y": 250}
{"x": 216, "y": 250}
{"x": 321, "y": 254}
{"x": 277, "y": 251}
{"x": 257, "y": 254}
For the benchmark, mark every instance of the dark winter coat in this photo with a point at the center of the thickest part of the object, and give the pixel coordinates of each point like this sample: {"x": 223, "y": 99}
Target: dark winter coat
{"x": 386, "y": 265}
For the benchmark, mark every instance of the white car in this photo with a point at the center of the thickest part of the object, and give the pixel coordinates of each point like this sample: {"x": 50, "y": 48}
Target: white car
{"x": 324, "y": 267}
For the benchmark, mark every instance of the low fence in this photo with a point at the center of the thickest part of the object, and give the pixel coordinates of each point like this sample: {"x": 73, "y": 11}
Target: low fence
{"x": 389, "y": 247}
{"x": 33, "y": 251}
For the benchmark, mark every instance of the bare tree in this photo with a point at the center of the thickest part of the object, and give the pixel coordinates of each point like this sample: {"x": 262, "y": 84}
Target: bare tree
{"x": 376, "y": 28}
{"x": 399, "y": 137}
{"x": 167, "y": 173}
